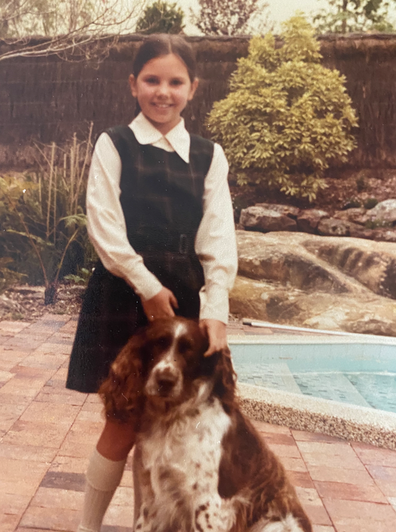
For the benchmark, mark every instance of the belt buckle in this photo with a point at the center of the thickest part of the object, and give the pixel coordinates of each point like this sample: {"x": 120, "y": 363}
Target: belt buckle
{"x": 183, "y": 244}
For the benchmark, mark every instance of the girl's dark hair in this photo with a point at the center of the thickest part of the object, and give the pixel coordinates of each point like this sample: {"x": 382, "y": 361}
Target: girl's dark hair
{"x": 163, "y": 44}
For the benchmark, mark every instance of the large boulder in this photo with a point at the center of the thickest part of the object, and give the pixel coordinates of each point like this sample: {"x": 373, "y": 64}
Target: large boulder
{"x": 345, "y": 284}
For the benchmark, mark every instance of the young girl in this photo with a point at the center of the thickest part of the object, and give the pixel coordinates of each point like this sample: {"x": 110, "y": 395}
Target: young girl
{"x": 160, "y": 217}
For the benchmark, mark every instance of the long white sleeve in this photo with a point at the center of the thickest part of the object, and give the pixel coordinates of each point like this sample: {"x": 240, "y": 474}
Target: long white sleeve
{"x": 106, "y": 222}
{"x": 215, "y": 243}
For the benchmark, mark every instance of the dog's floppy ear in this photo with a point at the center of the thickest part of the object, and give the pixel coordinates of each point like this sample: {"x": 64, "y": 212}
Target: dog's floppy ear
{"x": 122, "y": 391}
{"x": 225, "y": 377}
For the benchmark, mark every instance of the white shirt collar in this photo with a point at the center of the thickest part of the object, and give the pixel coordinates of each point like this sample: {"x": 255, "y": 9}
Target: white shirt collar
{"x": 178, "y": 137}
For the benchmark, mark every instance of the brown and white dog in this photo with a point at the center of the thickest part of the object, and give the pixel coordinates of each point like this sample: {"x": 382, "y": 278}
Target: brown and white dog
{"x": 202, "y": 466}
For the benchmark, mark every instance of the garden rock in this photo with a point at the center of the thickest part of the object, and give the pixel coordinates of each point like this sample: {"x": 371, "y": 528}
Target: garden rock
{"x": 384, "y": 212}
{"x": 286, "y": 210}
{"x": 353, "y": 222}
{"x": 357, "y": 215}
{"x": 335, "y": 227}
{"x": 307, "y": 280}
{"x": 266, "y": 218}
{"x": 308, "y": 220}
{"x": 383, "y": 234}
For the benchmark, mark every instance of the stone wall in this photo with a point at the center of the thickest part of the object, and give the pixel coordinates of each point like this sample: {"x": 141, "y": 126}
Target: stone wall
{"x": 48, "y": 99}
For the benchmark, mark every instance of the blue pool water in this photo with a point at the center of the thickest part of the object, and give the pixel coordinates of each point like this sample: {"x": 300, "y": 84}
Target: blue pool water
{"x": 357, "y": 373}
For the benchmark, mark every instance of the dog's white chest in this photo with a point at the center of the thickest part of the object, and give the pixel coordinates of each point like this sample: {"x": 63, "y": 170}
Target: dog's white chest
{"x": 180, "y": 466}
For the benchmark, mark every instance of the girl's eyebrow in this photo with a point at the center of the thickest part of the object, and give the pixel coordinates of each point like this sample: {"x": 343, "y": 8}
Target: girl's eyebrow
{"x": 155, "y": 76}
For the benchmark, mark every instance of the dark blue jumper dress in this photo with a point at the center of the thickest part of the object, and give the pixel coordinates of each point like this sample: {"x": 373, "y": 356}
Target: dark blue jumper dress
{"x": 161, "y": 197}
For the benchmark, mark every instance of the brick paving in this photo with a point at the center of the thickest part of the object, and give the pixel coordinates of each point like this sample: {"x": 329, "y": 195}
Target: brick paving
{"x": 47, "y": 434}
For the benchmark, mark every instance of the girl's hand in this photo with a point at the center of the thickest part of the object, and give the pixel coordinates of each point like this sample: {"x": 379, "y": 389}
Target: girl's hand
{"x": 216, "y": 331}
{"x": 161, "y": 305}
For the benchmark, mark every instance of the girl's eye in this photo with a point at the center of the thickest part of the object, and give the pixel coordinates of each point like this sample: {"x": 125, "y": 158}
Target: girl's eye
{"x": 176, "y": 82}
{"x": 152, "y": 81}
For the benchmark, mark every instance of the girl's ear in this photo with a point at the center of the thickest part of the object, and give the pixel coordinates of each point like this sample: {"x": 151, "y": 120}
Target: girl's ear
{"x": 132, "y": 84}
{"x": 193, "y": 88}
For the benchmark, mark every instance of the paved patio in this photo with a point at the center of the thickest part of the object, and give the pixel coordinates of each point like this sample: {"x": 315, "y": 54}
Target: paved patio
{"x": 47, "y": 434}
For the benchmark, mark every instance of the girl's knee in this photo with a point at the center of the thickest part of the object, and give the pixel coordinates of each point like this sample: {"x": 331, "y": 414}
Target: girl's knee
{"x": 116, "y": 440}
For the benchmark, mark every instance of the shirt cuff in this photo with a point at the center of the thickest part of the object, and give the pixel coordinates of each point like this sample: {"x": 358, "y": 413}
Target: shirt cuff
{"x": 214, "y": 303}
{"x": 145, "y": 284}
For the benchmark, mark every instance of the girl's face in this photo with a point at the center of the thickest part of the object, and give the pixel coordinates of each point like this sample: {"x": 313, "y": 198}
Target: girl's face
{"x": 163, "y": 88}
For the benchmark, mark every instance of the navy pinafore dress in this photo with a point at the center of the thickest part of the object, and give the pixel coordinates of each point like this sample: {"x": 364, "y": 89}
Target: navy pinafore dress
{"x": 161, "y": 197}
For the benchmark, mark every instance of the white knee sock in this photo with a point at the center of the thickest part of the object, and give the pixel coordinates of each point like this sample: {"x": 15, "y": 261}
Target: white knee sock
{"x": 136, "y": 462}
{"x": 102, "y": 479}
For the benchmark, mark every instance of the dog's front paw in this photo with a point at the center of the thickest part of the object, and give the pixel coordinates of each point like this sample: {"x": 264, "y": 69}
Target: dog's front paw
{"x": 143, "y": 521}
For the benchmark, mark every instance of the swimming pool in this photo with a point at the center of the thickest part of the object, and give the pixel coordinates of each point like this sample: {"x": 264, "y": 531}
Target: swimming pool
{"x": 354, "y": 369}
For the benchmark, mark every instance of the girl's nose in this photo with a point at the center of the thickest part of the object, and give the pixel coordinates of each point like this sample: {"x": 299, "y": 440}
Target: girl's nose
{"x": 163, "y": 89}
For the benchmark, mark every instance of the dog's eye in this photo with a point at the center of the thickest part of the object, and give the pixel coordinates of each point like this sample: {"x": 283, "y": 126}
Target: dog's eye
{"x": 185, "y": 346}
{"x": 163, "y": 342}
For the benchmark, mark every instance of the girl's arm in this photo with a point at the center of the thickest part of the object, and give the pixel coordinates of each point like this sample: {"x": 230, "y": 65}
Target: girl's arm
{"x": 107, "y": 230}
{"x": 216, "y": 248}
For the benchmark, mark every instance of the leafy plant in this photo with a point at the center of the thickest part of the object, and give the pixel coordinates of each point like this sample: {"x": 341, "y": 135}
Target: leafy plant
{"x": 286, "y": 117}
{"x": 82, "y": 276}
{"x": 42, "y": 216}
{"x": 161, "y": 17}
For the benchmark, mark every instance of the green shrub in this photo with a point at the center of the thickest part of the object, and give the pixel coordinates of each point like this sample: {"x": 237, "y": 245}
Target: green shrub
{"x": 352, "y": 203}
{"x": 286, "y": 116}
{"x": 370, "y": 203}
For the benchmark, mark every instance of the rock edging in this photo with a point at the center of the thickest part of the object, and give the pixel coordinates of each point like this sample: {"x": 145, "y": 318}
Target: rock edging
{"x": 376, "y": 224}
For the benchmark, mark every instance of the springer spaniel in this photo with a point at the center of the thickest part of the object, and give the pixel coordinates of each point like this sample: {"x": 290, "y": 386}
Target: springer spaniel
{"x": 202, "y": 466}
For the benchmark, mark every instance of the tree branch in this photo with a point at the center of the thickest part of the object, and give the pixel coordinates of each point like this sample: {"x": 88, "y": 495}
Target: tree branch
{"x": 74, "y": 33}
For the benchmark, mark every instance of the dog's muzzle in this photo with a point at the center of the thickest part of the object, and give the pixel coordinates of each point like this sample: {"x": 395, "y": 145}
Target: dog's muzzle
{"x": 165, "y": 381}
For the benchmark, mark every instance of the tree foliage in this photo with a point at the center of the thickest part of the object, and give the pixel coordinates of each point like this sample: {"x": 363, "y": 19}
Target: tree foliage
{"x": 161, "y": 17}
{"x": 286, "y": 116}
{"x": 78, "y": 26}
{"x": 347, "y": 16}
{"x": 230, "y": 17}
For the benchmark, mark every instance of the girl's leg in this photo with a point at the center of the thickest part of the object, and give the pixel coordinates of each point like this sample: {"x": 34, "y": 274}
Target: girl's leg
{"x": 136, "y": 461}
{"x": 104, "y": 473}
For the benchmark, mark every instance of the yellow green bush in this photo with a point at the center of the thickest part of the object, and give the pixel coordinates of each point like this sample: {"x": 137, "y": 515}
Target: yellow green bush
{"x": 286, "y": 117}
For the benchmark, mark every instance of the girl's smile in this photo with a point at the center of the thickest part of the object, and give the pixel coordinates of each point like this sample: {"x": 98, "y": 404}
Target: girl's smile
{"x": 163, "y": 88}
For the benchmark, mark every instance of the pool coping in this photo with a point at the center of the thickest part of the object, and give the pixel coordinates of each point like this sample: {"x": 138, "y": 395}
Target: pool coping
{"x": 258, "y": 324}
{"x": 313, "y": 414}
{"x": 320, "y": 338}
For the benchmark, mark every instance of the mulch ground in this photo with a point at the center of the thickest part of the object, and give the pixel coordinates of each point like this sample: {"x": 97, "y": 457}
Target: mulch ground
{"x": 27, "y": 302}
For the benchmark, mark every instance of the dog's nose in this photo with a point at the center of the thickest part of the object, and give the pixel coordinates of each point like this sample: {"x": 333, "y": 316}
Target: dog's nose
{"x": 166, "y": 380}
